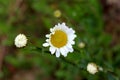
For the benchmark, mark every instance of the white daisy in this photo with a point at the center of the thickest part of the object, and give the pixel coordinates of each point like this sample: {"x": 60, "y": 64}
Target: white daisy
{"x": 20, "y": 40}
{"x": 60, "y": 40}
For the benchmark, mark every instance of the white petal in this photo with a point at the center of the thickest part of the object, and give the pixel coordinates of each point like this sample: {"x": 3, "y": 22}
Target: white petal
{"x": 72, "y": 42}
{"x": 69, "y": 45}
{"x": 45, "y": 44}
{"x": 71, "y": 39}
{"x": 66, "y": 50}
{"x": 55, "y": 26}
{"x": 63, "y": 52}
{"x": 75, "y": 36}
{"x": 59, "y": 24}
{"x": 47, "y": 35}
{"x": 51, "y": 30}
{"x": 71, "y": 30}
{"x": 63, "y": 24}
{"x": 70, "y": 49}
{"x": 52, "y": 50}
{"x": 57, "y": 53}
{"x": 47, "y": 40}
{"x": 53, "y": 33}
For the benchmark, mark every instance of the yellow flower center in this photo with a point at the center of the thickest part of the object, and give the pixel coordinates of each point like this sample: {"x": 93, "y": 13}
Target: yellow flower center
{"x": 59, "y": 39}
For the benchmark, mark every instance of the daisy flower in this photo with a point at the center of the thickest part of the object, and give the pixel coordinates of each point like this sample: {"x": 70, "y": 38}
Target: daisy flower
{"x": 20, "y": 40}
{"x": 60, "y": 40}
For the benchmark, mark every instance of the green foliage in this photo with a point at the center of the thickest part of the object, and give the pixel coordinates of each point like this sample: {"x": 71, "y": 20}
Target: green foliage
{"x": 85, "y": 16}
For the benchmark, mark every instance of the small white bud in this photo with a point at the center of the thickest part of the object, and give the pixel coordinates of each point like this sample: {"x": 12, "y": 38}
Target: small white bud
{"x": 92, "y": 68}
{"x": 57, "y": 13}
{"x": 81, "y": 45}
{"x": 20, "y": 40}
{"x": 100, "y": 68}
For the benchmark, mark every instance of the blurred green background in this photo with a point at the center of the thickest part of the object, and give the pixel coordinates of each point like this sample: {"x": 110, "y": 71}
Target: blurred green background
{"x": 97, "y": 25}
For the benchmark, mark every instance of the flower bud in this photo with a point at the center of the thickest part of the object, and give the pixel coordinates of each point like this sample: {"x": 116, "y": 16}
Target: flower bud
{"x": 20, "y": 40}
{"x": 92, "y": 68}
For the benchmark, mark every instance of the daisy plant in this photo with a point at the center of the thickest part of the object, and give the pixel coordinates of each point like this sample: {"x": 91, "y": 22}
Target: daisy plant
{"x": 60, "y": 40}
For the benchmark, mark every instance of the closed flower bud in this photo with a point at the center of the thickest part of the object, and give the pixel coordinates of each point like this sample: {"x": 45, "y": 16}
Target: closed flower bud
{"x": 20, "y": 40}
{"x": 81, "y": 45}
{"x": 57, "y": 13}
{"x": 92, "y": 68}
